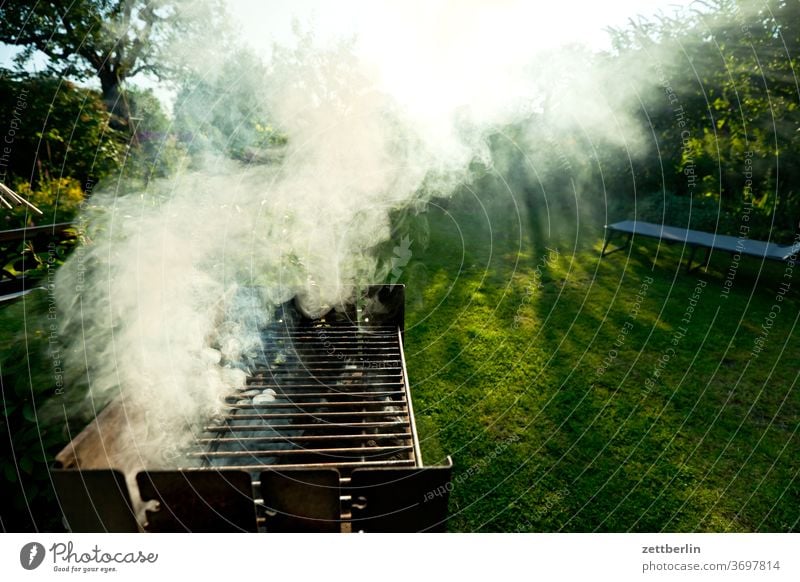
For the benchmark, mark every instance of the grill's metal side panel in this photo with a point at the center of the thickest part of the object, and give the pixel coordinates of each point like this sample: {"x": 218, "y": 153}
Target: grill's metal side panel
{"x": 198, "y": 501}
{"x": 409, "y": 404}
{"x": 302, "y": 500}
{"x": 386, "y": 304}
{"x": 411, "y": 499}
{"x": 94, "y": 500}
{"x": 103, "y": 443}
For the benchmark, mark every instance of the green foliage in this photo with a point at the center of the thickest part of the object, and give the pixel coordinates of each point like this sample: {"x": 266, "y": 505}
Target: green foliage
{"x": 32, "y": 257}
{"x": 726, "y": 112}
{"x": 112, "y": 41}
{"x": 225, "y": 113}
{"x": 63, "y": 146}
{"x": 155, "y": 149}
{"x": 60, "y": 130}
{"x": 59, "y": 199}
{"x": 76, "y": 36}
{"x": 32, "y": 412}
{"x": 503, "y": 347}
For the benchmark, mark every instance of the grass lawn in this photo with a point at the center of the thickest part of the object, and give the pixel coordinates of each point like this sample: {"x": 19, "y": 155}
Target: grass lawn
{"x": 32, "y": 417}
{"x": 576, "y": 393}
{"x": 573, "y": 393}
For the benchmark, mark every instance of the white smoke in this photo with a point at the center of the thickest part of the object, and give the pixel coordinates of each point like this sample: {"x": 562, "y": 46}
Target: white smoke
{"x": 163, "y": 307}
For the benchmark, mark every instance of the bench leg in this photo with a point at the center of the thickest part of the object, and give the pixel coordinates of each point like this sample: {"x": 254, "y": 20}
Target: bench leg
{"x": 690, "y": 260}
{"x": 707, "y": 260}
{"x": 605, "y": 242}
{"x": 703, "y": 264}
{"x": 619, "y": 248}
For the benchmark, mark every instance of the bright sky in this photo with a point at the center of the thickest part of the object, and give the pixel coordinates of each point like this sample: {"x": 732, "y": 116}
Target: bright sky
{"x": 450, "y": 51}
{"x": 380, "y": 22}
{"x": 446, "y": 47}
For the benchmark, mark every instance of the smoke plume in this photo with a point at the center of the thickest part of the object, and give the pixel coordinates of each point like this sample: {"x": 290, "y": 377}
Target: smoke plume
{"x": 163, "y": 306}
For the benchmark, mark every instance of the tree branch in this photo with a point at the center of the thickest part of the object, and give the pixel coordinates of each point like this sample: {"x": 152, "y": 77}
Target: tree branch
{"x": 82, "y": 49}
{"x": 149, "y": 17}
{"x": 145, "y": 67}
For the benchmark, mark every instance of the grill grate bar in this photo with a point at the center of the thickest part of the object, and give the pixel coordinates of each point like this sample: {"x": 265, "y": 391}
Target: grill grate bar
{"x": 352, "y": 363}
{"x": 318, "y": 344}
{"x": 317, "y": 384}
{"x": 261, "y": 467}
{"x": 336, "y": 352}
{"x": 304, "y": 438}
{"x": 337, "y": 367}
{"x": 328, "y": 346}
{"x": 332, "y": 394}
{"x": 327, "y": 376}
{"x": 322, "y": 333}
{"x": 316, "y": 426}
{"x": 332, "y": 452}
{"x": 349, "y": 413}
{"x": 315, "y": 404}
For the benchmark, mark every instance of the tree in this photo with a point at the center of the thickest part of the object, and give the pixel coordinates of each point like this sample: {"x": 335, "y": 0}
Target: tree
{"x": 725, "y": 110}
{"x": 57, "y": 143}
{"x": 224, "y": 110}
{"x": 59, "y": 130}
{"x": 110, "y": 40}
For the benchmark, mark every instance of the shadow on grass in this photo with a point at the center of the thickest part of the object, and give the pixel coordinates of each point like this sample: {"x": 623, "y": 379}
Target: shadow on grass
{"x": 574, "y": 399}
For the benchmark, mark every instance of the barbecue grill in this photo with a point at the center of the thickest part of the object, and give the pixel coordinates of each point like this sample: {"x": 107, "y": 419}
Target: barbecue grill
{"x": 320, "y": 438}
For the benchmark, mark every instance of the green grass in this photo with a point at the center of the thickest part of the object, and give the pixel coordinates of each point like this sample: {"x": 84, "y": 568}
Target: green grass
{"x": 503, "y": 353}
{"x": 540, "y": 439}
{"x": 32, "y": 414}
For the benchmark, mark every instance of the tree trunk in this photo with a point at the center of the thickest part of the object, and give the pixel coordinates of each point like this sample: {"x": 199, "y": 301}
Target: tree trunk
{"x": 114, "y": 99}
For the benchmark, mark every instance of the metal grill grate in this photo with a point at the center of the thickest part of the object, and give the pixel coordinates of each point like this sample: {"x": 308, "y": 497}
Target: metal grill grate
{"x": 328, "y": 394}
{"x": 321, "y": 438}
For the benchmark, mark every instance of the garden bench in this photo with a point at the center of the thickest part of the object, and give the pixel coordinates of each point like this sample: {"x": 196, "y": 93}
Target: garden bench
{"x": 697, "y": 239}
